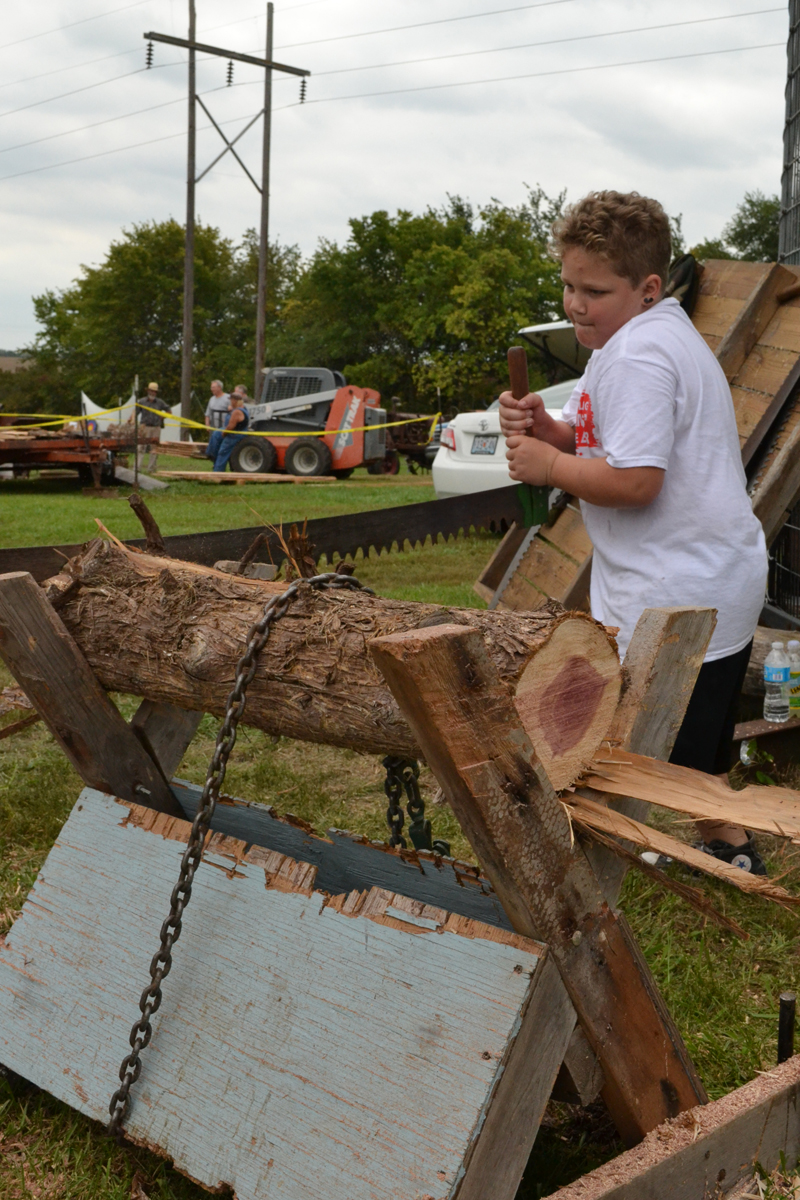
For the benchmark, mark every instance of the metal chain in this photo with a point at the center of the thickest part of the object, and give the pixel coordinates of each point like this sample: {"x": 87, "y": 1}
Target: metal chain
{"x": 393, "y": 786}
{"x": 403, "y": 774}
{"x": 161, "y": 964}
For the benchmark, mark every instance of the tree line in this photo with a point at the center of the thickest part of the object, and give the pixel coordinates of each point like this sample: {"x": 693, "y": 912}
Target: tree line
{"x": 419, "y": 306}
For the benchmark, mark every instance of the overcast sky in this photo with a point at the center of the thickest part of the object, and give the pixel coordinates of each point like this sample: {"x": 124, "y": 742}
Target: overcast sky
{"x": 408, "y": 100}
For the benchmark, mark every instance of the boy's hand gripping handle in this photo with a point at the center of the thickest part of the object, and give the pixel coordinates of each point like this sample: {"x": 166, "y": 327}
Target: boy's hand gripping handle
{"x": 534, "y": 500}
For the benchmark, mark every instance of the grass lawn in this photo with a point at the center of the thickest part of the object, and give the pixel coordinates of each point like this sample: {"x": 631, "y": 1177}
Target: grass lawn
{"x": 722, "y": 992}
{"x": 41, "y": 511}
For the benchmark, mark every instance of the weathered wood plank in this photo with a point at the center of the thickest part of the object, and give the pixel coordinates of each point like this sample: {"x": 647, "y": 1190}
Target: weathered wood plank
{"x": 662, "y": 662}
{"x": 346, "y": 861}
{"x": 757, "y": 312}
{"x": 731, "y": 279}
{"x": 708, "y": 1151}
{"x": 463, "y": 716}
{"x": 357, "y": 1045}
{"x": 49, "y": 666}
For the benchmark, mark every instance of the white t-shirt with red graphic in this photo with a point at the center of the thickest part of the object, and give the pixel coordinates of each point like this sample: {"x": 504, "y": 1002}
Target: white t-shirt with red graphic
{"x": 655, "y": 396}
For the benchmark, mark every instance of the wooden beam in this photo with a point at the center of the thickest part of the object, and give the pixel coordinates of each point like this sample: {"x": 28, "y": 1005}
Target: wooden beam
{"x": 662, "y": 662}
{"x": 709, "y": 1150}
{"x": 165, "y": 731}
{"x": 49, "y": 667}
{"x": 473, "y": 740}
{"x": 759, "y": 309}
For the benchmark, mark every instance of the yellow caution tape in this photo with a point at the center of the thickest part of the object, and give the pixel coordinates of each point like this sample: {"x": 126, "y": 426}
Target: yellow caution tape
{"x": 190, "y": 424}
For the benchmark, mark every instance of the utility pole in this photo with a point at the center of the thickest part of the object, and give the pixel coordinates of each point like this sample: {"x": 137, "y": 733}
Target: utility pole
{"x": 188, "y": 258}
{"x": 263, "y": 245}
{"x": 789, "y": 236}
{"x": 192, "y": 178}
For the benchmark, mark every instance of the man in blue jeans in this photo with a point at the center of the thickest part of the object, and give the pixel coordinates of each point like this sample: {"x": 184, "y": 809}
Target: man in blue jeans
{"x": 222, "y": 442}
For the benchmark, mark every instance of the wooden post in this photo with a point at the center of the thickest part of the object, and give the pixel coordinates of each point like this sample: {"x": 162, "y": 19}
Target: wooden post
{"x": 165, "y": 731}
{"x": 662, "y": 662}
{"x": 472, "y": 738}
{"x": 47, "y": 664}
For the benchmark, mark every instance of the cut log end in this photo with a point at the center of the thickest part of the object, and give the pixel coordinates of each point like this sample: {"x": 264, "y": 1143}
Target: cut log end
{"x": 569, "y": 692}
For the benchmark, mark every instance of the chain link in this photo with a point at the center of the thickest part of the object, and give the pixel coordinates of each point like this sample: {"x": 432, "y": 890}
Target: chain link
{"x": 161, "y": 964}
{"x": 402, "y": 774}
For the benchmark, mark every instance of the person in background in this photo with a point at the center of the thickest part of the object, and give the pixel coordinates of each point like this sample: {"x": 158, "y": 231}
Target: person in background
{"x": 222, "y": 442}
{"x": 218, "y": 407}
{"x": 151, "y": 419}
{"x": 241, "y": 390}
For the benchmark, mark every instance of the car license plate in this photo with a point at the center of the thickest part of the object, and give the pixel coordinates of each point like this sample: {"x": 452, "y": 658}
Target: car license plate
{"x": 482, "y": 444}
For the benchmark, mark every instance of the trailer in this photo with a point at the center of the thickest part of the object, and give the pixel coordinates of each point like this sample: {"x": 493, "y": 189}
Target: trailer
{"x": 93, "y": 455}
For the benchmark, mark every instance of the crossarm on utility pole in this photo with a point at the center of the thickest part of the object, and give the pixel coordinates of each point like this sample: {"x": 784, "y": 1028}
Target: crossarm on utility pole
{"x": 220, "y": 53}
{"x": 468, "y": 729}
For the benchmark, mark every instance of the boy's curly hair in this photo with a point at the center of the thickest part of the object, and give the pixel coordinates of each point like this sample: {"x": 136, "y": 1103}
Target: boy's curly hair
{"x": 631, "y": 232}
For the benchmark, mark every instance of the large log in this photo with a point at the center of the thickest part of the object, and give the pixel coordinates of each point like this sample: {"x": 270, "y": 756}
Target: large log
{"x": 173, "y": 631}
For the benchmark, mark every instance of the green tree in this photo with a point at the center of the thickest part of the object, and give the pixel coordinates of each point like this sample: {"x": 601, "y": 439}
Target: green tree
{"x": 424, "y": 306}
{"x": 750, "y": 235}
{"x": 124, "y": 318}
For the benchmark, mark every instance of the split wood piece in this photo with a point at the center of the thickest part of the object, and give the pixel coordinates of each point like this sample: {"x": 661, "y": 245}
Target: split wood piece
{"x": 708, "y": 1151}
{"x": 664, "y": 657}
{"x": 586, "y": 812}
{"x": 49, "y": 666}
{"x": 753, "y": 318}
{"x": 13, "y": 699}
{"x": 472, "y": 739}
{"x": 243, "y": 477}
{"x": 155, "y": 542}
{"x": 17, "y": 726}
{"x": 165, "y": 731}
{"x": 337, "y": 1077}
{"x": 556, "y": 564}
{"x": 774, "y": 810}
{"x": 692, "y": 895}
{"x": 184, "y": 628}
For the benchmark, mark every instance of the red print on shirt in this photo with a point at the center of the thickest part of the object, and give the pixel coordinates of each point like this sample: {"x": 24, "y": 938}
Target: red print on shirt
{"x": 584, "y": 425}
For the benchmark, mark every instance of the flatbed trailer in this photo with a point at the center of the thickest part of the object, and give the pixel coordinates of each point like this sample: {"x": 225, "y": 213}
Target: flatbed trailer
{"x": 92, "y": 455}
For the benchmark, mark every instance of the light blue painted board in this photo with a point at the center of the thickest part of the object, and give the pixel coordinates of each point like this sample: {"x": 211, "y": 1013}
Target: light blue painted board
{"x": 299, "y": 1052}
{"x": 344, "y": 862}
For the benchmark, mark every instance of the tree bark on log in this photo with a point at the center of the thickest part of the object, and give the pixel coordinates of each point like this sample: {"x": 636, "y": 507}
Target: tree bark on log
{"x": 174, "y": 631}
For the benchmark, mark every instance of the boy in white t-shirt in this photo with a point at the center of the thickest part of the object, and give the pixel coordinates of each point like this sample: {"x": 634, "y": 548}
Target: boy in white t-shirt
{"x": 648, "y": 442}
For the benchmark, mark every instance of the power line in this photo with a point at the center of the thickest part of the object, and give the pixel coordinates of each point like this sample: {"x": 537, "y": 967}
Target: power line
{"x": 72, "y": 67}
{"x": 583, "y": 37}
{"x": 87, "y": 87}
{"x": 429, "y": 87}
{"x": 495, "y": 12}
{"x": 399, "y": 91}
{"x": 108, "y": 120}
{"x": 72, "y": 24}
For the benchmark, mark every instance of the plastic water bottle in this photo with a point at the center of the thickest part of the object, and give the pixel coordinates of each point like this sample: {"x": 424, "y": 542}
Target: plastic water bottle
{"x": 793, "y": 649}
{"x": 776, "y": 685}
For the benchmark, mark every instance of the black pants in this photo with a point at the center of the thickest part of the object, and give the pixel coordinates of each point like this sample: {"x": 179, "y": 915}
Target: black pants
{"x": 705, "y": 739}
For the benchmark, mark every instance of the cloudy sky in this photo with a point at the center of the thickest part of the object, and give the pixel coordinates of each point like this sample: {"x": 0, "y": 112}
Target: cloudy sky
{"x": 408, "y": 100}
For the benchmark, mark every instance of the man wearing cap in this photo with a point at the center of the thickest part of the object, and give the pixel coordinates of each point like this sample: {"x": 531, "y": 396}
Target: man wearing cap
{"x": 147, "y": 416}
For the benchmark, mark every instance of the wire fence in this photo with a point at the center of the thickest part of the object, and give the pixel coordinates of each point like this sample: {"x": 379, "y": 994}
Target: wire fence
{"x": 784, "y": 567}
{"x": 789, "y": 240}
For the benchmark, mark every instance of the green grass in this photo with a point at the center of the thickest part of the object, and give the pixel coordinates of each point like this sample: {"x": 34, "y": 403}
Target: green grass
{"x": 41, "y": 511}
{"x": 722, "y": 992}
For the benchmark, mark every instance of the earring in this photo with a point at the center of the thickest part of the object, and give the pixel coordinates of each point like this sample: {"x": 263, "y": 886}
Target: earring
{"x": 648, "y": 299}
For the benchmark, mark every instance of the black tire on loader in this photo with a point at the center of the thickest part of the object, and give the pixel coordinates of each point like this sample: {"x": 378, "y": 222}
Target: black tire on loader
{"x": 308, "y": 456}
{"x": 254, "y": 456}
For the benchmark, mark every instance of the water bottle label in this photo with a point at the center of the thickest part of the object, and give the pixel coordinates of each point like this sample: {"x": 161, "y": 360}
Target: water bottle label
{"x": 776, "y": 674}
{"x": 794, "y": 693}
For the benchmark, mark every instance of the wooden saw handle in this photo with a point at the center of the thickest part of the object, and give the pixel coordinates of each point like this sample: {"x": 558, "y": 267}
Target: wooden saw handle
{"x": 534, "y": 500}
{"x": 518, "y": 375}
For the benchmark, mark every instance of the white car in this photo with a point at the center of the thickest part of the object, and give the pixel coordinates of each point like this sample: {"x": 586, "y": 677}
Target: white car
{"x": 472, "y": 451}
